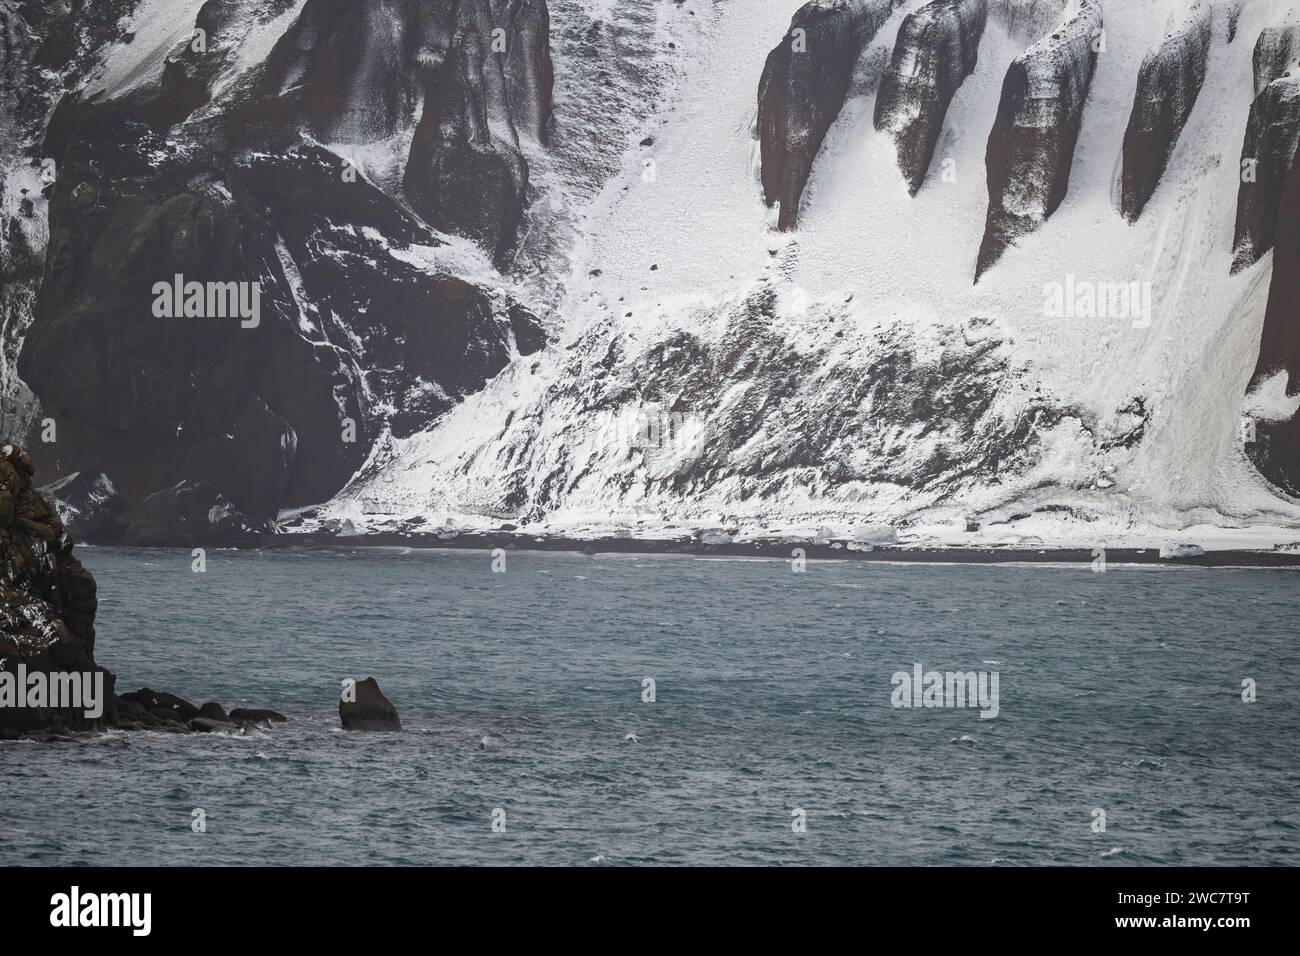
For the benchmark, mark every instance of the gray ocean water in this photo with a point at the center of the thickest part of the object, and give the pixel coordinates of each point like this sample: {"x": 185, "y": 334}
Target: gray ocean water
{"x": 518, "y": 691}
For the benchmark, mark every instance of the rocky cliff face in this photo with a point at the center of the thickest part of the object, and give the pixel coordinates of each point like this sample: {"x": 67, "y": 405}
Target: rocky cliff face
{"x": 1272, "y": 134}
{"x": 1276, "y": 449}
{"x": 1168, "y": 84}
{"x": 45, "y": 48}
{"x": 47, "y": 626}
{"x": 47, "y": 602}
{"x": 1031, "y": 147}
{"x": 802, "y": 89}
{"x": 937, "y": 48}
{"x": 210, "y": 174}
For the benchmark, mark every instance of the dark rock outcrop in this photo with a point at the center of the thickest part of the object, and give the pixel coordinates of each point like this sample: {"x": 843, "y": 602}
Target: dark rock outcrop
{"x": 1031, "y": 147}
{"x": 356, "y": 332}
{"x": 1027, "y": 21}
{"x": 214, "y": 711}
{"x": 151, "y": 700}
{"x": 1276, "y": 448}
{"x": 187, "y": 514}
{"x": 1168, "y": 84}
{"x": 805, "y": 81}
{"x": 530, "y": 336}
{"x": 47, "y": 605}
{"x": 147, "y": 709}
{"x": 355, "y": 73}
{"x": 466, "y": 173}
{"x": 1272, "y": 134}
{"x": 88, "y": 505}
{"x": 247, "y": 715}
{"x": 261, "y": 414}
{"x": 368, "y": 709}
{"x": 191, "y": 70}
{"x": 48, "y": 602}
{"x": 937, "y": 48}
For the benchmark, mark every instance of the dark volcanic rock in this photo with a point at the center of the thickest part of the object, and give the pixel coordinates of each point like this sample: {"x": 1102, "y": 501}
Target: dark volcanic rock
{"x": 1276, "y": 449}
{"x": 253, "y": 715}
{"x": 169, "y": 704}
{"x": 937, "y": 49}
{"x": 187, "y": 514}
{"x": 207, "y": 725}
{"x": 356, "y": 73}
{"x": 459, "y": 176}
{"x": 1272, "y": 134}
{"x": 1168, "y": 84}
{"x": 1276, "y": 51}
{"x": 47, "y": 602}
{"x": 529, "y": 73}
{"x": 1031, "y": 148}
{"x": 530, "y": 337}
{"x": 214, "y": 711}
{"x": 88, "y": 505}
{"x": 805, "y": 81}
{"x": 150, "y": 399}
{"x": 465, "y": 173}
{"x": 1027, "y": 21}
{"x": 370, "y": 710}
{"x": 259, "y": 413}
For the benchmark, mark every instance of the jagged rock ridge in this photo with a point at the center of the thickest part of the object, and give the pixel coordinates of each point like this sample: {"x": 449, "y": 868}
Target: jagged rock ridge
{"x": 1168, "y": 84}
{"x": 802, "y": 89}
{"x": 1031, "y": 147}
{"x": 937, "y": 48}
{"x": 1272, "y": 134}
{"x": 1276, "y": 448}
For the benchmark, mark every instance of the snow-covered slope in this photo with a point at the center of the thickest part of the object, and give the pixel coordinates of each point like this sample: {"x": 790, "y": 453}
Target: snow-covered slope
{"x": 712, "y": 371}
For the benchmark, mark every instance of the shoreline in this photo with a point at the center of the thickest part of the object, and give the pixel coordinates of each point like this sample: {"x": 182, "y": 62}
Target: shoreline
{"x": 772, "y": 549}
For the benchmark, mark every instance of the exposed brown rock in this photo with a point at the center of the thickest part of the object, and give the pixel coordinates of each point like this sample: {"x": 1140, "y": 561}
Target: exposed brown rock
{"x": 1272, "y": 134}
{"x": 937, "y": 48}
{"x": 805, "y": 81}
{"x": 1168, "y": 84}
{"x": 368, "y": 708}
{"x": 1031, "y": 147}
{"x": 1276, "y": 448}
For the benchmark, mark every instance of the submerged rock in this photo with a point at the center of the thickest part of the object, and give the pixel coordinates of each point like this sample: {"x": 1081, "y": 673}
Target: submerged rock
{"x": 1031, "y": 147}
{"x": 1169, "y": 82}
{"x": 253, "y": 715}
{"x": 937, "y": 48}
{"x": 368, "y": 709}
{"x": 805, "y": 81}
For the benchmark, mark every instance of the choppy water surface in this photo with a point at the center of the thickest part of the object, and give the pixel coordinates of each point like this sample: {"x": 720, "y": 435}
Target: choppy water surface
{"x": 523, "y": 691}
